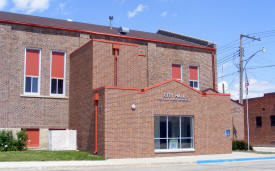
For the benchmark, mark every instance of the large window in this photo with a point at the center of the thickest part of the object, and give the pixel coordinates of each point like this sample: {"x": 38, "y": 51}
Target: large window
{"x": 32, "y": 71}
{"x": 173, "y": 133}
{"x": 194, "y": 77}
{"x": 57, "y": 73}
{"x": 177, "y": 71}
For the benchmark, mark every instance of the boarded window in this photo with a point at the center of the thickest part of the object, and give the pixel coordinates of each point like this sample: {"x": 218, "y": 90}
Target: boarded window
{"x": 176, "y": 71}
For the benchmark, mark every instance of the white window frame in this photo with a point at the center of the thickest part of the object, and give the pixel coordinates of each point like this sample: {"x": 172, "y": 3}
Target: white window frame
{"x": 38, "y": 86}
{"x": 198, "y": 76}
{"x": 64, "y": 78}
{"x": 171, "y": 70}
{"x": 180, "y": 149}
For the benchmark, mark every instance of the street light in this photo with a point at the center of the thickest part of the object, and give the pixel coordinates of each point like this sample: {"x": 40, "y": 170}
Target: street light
{"x": 246, "y": 84}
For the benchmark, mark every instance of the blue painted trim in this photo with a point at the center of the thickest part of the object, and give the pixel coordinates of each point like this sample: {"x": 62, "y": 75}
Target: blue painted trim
{"x": 234, "y": 160}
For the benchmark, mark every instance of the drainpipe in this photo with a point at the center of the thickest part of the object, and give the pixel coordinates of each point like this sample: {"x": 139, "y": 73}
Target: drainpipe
{"x": 213, "y": 70}
{"x": 116, "y": 51}
{"x": 96, "y": 97}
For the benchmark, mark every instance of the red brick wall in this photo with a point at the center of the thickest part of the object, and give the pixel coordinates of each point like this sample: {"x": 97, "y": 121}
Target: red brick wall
{"x": 132, "y": 69}
{"x": 131, "y": 133}
{"x": 160, "y": 58}
{"x": 264, "y": 107}
{"x": 81, "y": 96}
{"x": 44, "y": 111}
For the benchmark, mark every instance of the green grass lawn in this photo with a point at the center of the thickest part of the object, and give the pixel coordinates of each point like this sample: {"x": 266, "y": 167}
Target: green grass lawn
{"x": 30, "y": 155}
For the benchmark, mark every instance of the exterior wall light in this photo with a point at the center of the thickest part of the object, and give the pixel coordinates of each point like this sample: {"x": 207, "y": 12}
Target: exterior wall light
{"x": 133, "y": 107}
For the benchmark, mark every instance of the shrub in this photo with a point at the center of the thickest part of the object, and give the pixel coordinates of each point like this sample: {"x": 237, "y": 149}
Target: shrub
{"x": 240, "y": 145}
{"x": 9, "y": 143}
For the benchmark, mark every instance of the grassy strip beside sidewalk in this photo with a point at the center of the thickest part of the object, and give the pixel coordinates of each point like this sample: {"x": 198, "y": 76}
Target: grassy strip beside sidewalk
{"x": 29, "y": 155}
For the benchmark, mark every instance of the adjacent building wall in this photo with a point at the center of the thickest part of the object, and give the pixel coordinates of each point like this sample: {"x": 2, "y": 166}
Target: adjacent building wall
{"x": 263, "y": 107}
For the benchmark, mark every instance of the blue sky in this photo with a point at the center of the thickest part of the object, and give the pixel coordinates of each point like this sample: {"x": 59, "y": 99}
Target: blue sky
{"x": 218, "y": 21}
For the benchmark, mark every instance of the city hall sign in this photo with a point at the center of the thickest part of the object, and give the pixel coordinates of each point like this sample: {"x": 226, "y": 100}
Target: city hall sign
{"x": 173, "y": 97}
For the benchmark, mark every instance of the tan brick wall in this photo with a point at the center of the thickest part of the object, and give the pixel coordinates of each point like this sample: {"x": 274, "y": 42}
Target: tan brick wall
{"x": 263, "y": 107}
{"x": 131, "y": 133}
{"x": 18, "y": 111}
{"x": 237, "y": 120}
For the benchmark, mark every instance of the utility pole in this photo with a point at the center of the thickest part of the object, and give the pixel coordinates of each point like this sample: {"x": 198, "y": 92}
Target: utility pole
{"x": 241, "y": 63}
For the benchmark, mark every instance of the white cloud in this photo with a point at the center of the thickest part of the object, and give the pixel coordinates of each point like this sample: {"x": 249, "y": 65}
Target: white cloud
{"x": 174, "y": 15}
{"x": 163, "y": 14}
{"x": 256, "y": 88}
{"x": 62, "y": 8}
{"x": 122, "y": 1}
{"x": 139, "y": 9}
{"x": 31, "y": 5}
{"x": 3, "y": 3}
{"x": 227, "y": 65}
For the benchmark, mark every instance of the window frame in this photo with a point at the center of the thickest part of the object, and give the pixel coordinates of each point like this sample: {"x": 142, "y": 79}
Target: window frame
{"x": 38, "y": 82}
{"x": 64, "y": 77}
{"x": 198, "y": 81}
{"x": 180, "y": 137}
{"x": 181, "y": 68}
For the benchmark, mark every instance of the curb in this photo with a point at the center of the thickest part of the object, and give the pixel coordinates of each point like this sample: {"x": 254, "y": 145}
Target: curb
{"x": 234, "y": 160}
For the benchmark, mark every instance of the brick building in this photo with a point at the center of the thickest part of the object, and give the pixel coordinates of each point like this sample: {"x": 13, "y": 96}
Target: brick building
{"x": 261, "y": 120}
{"x": 128, "y": 94}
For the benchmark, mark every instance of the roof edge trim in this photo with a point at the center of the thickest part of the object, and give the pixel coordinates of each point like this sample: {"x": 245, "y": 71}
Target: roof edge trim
{"x": 106, "y": 34}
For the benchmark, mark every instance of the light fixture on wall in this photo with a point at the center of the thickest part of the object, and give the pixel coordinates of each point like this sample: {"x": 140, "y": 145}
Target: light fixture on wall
{"x": 133, "y": 107}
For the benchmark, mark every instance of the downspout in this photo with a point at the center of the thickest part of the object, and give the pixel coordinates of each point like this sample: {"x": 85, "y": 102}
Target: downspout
{"x": 213, "y": 70}
{"x": 116, "y": 51}
{"x": 96, "y": 98}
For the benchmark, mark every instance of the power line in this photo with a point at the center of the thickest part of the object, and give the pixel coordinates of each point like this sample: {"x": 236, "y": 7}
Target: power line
{"x": 258, "y": 67}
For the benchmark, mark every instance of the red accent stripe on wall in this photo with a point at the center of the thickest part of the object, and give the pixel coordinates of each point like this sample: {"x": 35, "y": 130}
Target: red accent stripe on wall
{"x": 32, "y": 62}
{"x": 193, "y": 73}
{"x": 176, "y": 71}
{"x": 58, "y": 64}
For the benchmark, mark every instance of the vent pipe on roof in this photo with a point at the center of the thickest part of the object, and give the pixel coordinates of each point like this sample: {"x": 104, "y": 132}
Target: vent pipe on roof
{"x": 111, "y": 21}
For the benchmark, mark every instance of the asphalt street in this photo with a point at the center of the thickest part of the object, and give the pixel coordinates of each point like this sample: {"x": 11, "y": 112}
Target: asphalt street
{"x": 264, "y": 165}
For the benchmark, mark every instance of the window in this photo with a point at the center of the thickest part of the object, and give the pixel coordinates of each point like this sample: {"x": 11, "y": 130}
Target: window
{"x": 173, "y": 133}
{"x": 57, "y": 73}
{"x": 32, "y": 71}
{"x": 194, "y": 77}
{"x": 272, "y": 120}
{"x": 177, "y": 71}
{"x": 259, "y": 121}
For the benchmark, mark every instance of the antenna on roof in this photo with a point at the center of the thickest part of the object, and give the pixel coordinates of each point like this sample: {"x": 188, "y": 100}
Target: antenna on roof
{"x": 111, "y": 20}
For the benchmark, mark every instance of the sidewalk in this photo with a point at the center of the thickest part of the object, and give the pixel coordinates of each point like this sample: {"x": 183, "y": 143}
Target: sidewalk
{"x": 182, "y": 160}
{"x": 264, "y": 149}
